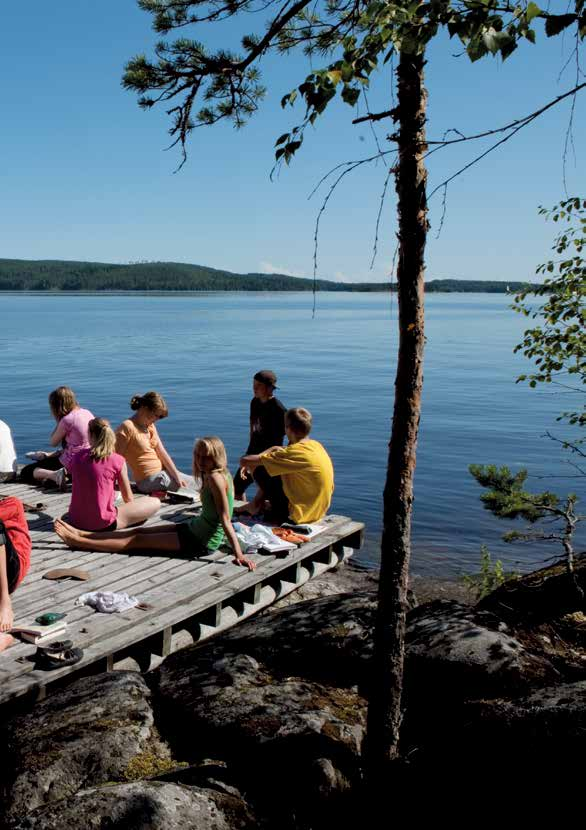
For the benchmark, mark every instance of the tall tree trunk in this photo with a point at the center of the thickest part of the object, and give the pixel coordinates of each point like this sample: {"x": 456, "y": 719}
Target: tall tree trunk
{"x": 384, "y": 713}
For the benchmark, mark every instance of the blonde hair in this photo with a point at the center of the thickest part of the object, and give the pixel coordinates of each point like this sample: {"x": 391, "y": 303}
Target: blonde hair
{"x": 210, "y": 447}
{"x": 102, "y": 439}
{"x": 62, "y": 401}
{"x": 152, "y": 401}
{"x": 299, "y": 420}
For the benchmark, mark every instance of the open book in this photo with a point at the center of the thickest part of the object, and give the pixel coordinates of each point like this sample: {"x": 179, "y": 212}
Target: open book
{"x": 31, "y": 632}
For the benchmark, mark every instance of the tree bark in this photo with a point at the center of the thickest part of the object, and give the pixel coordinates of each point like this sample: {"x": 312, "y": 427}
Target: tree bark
{"x": 384, "y": 714}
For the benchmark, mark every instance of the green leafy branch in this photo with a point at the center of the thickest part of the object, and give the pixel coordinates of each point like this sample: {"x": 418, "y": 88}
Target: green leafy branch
{"x": 507, "y": 498}
{"x": 558, "y": 344}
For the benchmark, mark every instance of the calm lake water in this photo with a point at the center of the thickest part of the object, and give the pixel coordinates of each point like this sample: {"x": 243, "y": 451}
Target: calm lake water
{"x": 201, "y": 350}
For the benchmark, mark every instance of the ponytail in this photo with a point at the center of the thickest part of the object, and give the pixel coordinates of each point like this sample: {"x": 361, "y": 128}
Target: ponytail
{"x": 102, "y": 439}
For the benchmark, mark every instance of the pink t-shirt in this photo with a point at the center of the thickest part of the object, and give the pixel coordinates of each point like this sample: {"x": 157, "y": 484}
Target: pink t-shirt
{"x": 92, "y": 499}
{"x": 75, "y": 426}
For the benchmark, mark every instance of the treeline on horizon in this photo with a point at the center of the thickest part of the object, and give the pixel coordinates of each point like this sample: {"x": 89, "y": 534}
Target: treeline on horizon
{"x": 61, "y": 275}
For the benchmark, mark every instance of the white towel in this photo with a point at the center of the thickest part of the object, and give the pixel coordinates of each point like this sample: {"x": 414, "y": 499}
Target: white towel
{"x": 108, "y": 602}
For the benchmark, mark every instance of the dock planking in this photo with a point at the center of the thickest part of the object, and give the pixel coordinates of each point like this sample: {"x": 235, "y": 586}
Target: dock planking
{"x": 186, "y": 599}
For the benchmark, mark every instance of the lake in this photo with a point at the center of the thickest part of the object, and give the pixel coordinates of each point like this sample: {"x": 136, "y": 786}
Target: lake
{"x": 200, "y": 351}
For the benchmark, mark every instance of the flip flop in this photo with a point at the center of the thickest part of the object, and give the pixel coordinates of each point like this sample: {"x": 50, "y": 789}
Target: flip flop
{"x": 67, "y": 573}
{"x": 59, "y": 659}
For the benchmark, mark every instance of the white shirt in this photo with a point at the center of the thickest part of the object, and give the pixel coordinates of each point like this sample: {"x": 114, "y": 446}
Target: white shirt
{"x": 7, "y": 453}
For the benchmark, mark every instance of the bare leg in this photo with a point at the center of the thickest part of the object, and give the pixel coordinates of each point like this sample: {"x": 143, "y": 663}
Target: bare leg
{"x": 40, "y": 474}
{"x": 137, "y": 511}
{"x": 114, "y": 534}
{"x": 163, "y": 540}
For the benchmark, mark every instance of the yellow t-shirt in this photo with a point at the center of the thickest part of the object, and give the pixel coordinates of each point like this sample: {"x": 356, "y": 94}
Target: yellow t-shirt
{"x": 308, "y": 478}
{"x": 139, "y": 449}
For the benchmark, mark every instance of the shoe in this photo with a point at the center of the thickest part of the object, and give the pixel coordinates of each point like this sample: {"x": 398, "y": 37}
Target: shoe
{"x": 61, "y": 479}
{"x": 58, "y": 659}
{"x": 56, "y": 646}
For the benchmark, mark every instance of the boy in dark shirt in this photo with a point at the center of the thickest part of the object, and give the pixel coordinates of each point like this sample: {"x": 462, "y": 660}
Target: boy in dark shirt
{"x": 267, "y": 429}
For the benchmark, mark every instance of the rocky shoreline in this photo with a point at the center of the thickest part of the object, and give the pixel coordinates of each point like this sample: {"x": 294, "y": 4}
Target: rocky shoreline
{"x": 263, "y": 726}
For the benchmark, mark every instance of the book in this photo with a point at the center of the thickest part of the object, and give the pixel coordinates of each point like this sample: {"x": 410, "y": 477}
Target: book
{"x": 184, "y": 494}
{"x": 32, "y": 632}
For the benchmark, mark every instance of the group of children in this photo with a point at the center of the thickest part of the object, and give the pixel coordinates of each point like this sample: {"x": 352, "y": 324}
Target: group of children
{"x": 294, "y": 482}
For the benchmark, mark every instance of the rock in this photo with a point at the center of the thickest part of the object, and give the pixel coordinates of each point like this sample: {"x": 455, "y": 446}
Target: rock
{"x": 461, "y": 653}
{"x": 540, "y": 596}
{"x": 542, "y": 733}
{"x": 279, "y": 700}
{"x": 141, "y": 806}
{"x": 98, "y": 729}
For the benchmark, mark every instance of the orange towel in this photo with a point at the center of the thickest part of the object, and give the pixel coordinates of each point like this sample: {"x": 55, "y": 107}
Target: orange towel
{"x": 289, "y": 535}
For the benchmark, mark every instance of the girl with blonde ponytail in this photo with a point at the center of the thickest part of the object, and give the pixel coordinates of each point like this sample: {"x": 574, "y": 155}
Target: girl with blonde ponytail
{"x": 96, "y": 471}
{"x": 198, "y": 536}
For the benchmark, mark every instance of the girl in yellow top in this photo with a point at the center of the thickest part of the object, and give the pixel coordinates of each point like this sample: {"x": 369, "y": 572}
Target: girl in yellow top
{"x": 138, "y": 441}
{"x": 302, "y": 475}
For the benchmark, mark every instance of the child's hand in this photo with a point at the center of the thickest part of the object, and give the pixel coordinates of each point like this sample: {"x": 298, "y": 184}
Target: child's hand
{"x": 6, "y": 615}
{"x": 246, "y": 562}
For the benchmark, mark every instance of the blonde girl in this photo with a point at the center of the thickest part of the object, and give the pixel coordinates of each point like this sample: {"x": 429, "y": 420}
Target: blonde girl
{"x": 202, "y": 534}
{"x": 138, "y": 441}
{"x": 71, "y": 431}
{"x": 96, "y": 472}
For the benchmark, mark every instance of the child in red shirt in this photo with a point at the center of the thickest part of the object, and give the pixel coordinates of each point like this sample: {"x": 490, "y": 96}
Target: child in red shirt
{"x": 15, "y": 557}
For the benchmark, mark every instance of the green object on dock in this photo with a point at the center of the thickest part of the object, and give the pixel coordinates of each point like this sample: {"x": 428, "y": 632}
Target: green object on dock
{"x": 50, "y": 617}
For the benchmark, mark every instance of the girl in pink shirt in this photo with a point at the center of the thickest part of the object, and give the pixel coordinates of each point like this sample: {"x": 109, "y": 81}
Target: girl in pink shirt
{"x": 71, "y": 429}
{"x": 96, "y": 470}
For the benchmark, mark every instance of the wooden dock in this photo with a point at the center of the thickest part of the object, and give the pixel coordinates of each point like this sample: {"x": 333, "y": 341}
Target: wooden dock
{"x": 187, "y": 600}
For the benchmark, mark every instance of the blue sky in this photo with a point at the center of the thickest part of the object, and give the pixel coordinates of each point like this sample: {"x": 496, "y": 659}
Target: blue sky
{"x": 84, "y": 174}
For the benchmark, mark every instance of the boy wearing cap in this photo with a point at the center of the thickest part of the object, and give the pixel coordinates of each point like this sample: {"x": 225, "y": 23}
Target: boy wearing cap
{"x": 300, "y": 479}
{"x": 267, "y": 429}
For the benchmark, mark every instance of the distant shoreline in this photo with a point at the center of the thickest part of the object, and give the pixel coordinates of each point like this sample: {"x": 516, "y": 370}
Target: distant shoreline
{"x": 129, "y": 292}
{"x": 61, "y": 276}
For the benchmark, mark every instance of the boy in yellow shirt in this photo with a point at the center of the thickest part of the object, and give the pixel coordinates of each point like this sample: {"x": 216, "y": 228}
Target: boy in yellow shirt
{"x": 302, "y": 476}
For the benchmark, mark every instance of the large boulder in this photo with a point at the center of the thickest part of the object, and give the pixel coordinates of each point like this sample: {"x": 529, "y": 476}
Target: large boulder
{"x": 98, "y": 729}
{"x": 141, "y": 806}
{"x": 460, "y": 653}
{"x": 280, "y": 700}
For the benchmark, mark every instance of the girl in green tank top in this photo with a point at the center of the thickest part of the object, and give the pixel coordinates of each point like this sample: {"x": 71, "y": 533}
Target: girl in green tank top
{"x": 207, "y": 527}
{"x": 204, "y": 533}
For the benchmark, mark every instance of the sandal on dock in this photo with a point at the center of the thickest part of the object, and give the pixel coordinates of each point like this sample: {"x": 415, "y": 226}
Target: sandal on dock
{"x": 49, "y": 660}
{"x": 67, "y": 573}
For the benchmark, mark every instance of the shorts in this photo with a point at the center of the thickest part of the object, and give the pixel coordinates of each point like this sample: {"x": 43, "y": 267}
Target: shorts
{"x": 113, "y": 526}
{"x": 12, "y": 560}
{"x": 158, "y": 481}
{"x": 189, "y": 545}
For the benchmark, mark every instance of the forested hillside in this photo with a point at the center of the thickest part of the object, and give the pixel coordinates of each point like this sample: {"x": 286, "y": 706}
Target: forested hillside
{"x": 60, "y": 275}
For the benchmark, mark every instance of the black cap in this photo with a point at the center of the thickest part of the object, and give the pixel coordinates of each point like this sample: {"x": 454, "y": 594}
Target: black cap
{"x": 267, "y": 377}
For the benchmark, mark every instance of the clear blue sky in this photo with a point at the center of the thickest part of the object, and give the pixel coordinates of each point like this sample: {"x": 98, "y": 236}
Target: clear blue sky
{"x": 84, "y": 174}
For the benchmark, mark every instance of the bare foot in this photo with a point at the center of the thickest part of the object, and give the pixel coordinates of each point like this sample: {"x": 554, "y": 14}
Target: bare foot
{"x": 6, "y": 640}
{"x": 68, "y": 534}
{"x": 74, "y": 530}
{"x": 251, "y": 507}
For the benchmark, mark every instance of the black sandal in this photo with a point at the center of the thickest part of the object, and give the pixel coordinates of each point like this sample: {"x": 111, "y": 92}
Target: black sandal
{"x": 59, "y": 659}
{"x": 58, "y": 645}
